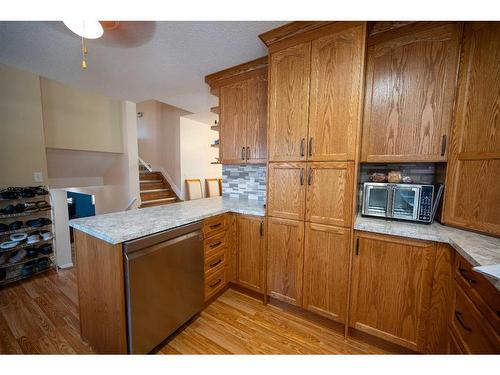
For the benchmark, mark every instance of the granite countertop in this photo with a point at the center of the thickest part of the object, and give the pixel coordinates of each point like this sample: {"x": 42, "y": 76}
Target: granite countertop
{"x": 123, "y": 226}
{"x": 483, "y": 252}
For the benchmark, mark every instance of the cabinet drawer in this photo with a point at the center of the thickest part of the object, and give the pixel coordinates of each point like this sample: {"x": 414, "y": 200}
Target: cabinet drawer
{"x": 214, "y": 225}
{"x": 471, "y": 329}
{"x": 482, "y": 292}
{"x": 215, "y": 283}
{"x": 216, "y": 261}
{"x": 214, "y": 244}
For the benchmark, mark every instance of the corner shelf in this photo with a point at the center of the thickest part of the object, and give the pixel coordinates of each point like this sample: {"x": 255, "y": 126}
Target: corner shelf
{"x": 216, "y": 145}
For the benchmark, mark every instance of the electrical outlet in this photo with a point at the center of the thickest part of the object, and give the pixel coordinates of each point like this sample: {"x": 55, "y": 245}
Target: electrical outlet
{"x": 37, "y": 176}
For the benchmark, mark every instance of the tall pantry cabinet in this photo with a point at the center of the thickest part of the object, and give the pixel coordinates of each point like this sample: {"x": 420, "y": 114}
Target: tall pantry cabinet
{"x": 314, "y": 116}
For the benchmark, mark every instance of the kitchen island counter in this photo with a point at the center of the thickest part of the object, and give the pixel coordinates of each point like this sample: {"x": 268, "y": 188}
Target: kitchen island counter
{"x": 119, "y": 227}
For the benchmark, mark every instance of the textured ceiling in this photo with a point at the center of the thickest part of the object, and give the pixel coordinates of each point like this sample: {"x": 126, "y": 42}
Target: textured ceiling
{"x": 166, "y": 61}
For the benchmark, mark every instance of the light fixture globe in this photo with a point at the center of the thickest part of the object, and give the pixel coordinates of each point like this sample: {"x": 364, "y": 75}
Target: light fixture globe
{"x": 85, "y": 29}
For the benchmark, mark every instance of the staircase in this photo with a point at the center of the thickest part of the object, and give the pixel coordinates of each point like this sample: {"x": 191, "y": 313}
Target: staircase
{"x": 155, "y": 190}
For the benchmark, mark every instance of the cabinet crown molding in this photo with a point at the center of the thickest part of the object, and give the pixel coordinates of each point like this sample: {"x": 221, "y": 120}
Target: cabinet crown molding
{"x": 217, "y": 79}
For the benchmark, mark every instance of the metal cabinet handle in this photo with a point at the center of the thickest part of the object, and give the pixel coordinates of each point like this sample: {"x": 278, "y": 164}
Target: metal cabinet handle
{"x": 215, "y": 284}
{"x": 458, "y": 315}
{"x": 310, "y": 147}
{"x": 261, "y": 228}
{"x": 219, "y": 261}
{"x": 357, "y": 246}
{"x": 243, "y": 153}
{"x": 248, "y": 152}
{"x": 309, "y": 176}
{"x": 464, "y": 274}
{"x": 302, "y": 176}
{"x": 213, "y": 226}
{"x": 302, "y": 146}
{"x": 443, "y": 145}
{"x": 215, "y": 244}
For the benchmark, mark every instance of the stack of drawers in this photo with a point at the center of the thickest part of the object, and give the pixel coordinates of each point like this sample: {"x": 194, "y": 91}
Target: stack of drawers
{"x": 216, "y": 254}
{"x": 475, "y": 325}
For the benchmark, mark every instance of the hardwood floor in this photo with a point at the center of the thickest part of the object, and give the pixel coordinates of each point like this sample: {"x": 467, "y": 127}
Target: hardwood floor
{"x": 40, "y": 315}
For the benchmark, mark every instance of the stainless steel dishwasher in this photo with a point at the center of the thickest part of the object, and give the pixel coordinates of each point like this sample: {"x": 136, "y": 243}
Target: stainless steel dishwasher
{"x": 164, "y": 284}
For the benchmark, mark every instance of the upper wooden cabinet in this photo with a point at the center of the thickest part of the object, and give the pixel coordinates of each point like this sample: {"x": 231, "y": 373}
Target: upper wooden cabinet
{"x": 326, "y": 270}
{"x": 391, "y": 288}
{"x": 250, "y": 234}
{"x": 409, "y": 94}
{"x": 289, "y": 102}
{"x": 315, "y": 94}
{"x": 242, "y": 92}
{"x": 472, "y": 196}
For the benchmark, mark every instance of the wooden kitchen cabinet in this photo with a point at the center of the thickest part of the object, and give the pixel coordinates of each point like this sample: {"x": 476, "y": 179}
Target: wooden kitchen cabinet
{"x": 286, "y": 190}
{"x": 472, "y": 195}
{"x": 251, "y": 243}
{"x": 329, "y": 193}
{"x": 315, "y": 94}
{"x": 337, "y": 66}
{"x": 285, "y": 259}
{"x": 409, "y": 94}
{"x": 326, "y": 270}
{"x": 242, "y": 92}
{"x": 233, "y": 99}
{"x": 391, "y": 288}
{"x": 289, "y": 102}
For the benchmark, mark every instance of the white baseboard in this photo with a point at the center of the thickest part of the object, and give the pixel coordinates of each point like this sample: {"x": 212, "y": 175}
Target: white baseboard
{"x": 67, "y": 265}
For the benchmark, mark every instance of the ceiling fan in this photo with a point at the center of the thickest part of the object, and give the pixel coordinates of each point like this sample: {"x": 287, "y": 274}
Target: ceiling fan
{"x": 124, "y": 34}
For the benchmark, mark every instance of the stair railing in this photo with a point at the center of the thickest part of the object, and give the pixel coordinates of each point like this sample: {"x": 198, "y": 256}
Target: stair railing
{"x": 145, "y": 165}
{"x": 131, "y": 203}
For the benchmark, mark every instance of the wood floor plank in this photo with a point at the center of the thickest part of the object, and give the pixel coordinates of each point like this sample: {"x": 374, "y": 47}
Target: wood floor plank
{"x": 40, "y": 315}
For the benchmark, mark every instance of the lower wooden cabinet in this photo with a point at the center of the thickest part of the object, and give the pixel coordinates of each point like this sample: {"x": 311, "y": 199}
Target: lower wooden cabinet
{"x": 391, "y": 288}
{"x": 285, "y": 259}
{"x": 251, "y": 243}
{"x": 326, "y": 270}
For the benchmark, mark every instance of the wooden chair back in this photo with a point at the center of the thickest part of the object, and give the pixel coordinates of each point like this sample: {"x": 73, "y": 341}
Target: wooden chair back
{"x": 193, "y": 189}
{"x": 213, "y": 188}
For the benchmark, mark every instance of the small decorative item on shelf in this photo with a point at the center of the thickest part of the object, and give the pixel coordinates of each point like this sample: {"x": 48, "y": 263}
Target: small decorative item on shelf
{"x": 394, "y": 177}
{"x": 19, "y": 256}
{"x": 378, "y": 177}
{"x": 408, "y": 180}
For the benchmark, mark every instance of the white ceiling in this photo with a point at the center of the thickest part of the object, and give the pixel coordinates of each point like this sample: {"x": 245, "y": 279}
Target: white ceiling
{"x": 168, "y": 66}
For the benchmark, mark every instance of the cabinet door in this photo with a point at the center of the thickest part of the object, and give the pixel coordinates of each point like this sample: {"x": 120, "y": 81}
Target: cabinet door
{"x": 336, "y": 85}
{"x": 326, "y": 270}
{"x": 472, "y": 198}
{"x": 391, "y": 288}
{"x": 251, "y": 252}
{"x": 329, "y": 193}
{"x": 410, "y": 88}
{"x": 289, "y": 102}
{"x": 285, "y": 257}
{"x": 286, "y": 192}
{"x": 256, "y": 131}
{"x": 233, "y": 101}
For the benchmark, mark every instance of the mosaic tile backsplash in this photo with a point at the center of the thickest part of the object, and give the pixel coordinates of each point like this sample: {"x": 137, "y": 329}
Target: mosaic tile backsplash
{"x": 244, "y": 182}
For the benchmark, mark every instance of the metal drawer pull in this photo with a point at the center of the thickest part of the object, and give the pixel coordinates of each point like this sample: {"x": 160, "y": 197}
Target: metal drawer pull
{"x": 302, "y": 176}
{"x": 463, "y": 272}
{"x": 302, "y": 146}
{"x": 458, "y": 315}
{"x": 213, "y": 226}
{"x": 215, "y": 244}
{"x": 215, "y": 284}
{"x": 219, "y": 261}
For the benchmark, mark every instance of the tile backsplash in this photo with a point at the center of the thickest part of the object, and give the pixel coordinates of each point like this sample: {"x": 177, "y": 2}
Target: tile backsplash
{"x": 244, "y": 182}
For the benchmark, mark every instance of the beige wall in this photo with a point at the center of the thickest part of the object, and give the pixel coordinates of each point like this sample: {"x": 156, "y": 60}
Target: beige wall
{"x": 22, "y": 146}
{"x": 196, "y": 153}
{"x": 158, "y": 133}
{"x": 78, "y": 120}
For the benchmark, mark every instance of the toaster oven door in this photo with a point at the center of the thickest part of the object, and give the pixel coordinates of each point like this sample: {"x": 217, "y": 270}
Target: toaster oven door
{"x": 405, "y": 202}
{"x": 377, "y": 200}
